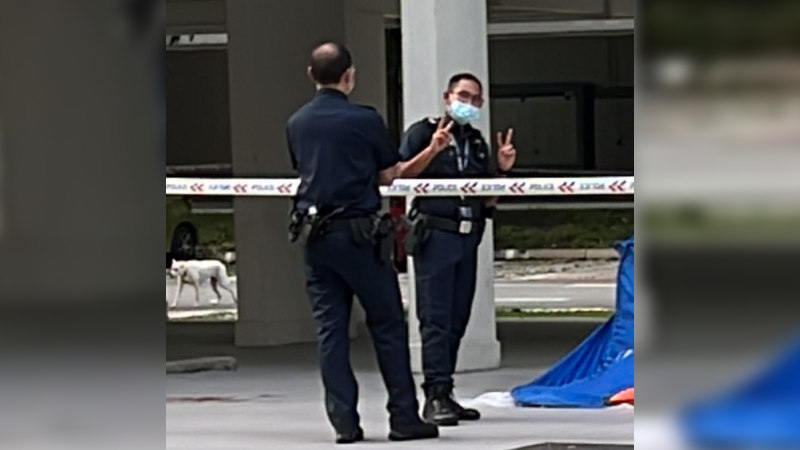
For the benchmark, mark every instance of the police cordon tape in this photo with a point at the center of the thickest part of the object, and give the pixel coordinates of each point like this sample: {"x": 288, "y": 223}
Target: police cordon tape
{"x": 487, "y": 187}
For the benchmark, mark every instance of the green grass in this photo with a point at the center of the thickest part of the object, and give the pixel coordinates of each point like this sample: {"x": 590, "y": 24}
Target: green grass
{"x": 563, "y": 229}
{"x": 513, "y": 230}
{"x": 696, "y": 222}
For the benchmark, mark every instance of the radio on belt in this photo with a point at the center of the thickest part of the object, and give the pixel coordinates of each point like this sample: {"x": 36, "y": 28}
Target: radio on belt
{"x": 465, "y": 220}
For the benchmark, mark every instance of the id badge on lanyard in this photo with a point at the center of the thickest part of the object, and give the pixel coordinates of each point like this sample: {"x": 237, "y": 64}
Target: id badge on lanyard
{"x": 462, "y": 157}
{"x": 466, "y": 221}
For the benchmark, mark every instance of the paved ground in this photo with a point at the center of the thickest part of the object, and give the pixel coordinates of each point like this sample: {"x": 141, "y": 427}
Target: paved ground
{"x": 527, "y": 285}
{"x": 547, "y": 295}
{"x": 513, "y": 294}
{"x": 557, "y": 271}
{"x": 275, "y": 400}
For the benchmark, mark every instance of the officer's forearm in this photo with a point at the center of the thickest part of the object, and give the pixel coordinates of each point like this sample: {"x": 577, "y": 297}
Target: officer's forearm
{"x": 387, "y": 177}
{"x": 415, "y": 167}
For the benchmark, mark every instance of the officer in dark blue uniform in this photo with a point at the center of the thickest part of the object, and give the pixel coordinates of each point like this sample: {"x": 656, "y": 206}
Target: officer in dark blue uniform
{"x": 343, "y": 153}
{"x": 446, "y": 233}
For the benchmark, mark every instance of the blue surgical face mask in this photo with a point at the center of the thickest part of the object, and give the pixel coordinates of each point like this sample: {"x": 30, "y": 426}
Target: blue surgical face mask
{"x": 464, "y": 113}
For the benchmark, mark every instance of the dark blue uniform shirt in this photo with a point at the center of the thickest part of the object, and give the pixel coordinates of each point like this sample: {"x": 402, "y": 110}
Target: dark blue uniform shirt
{"x": 469, "y": 146}
{"x": 338, "y": 149}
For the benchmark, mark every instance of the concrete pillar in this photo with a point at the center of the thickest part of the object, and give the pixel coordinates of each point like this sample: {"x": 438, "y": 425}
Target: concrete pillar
{"x": 440, "y": 39}
{"x": 366, "y": 39}
{"x": 365, "y": 36}
{"x": 270, "y": 44}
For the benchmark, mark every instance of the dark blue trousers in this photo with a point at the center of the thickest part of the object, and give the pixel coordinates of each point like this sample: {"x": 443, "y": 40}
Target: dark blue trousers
{"x": 446, "y": 272}
{"x": 337, "y": 269}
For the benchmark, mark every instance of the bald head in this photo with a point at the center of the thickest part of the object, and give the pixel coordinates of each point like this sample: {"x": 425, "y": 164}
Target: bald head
{"x": 329, "y": 64}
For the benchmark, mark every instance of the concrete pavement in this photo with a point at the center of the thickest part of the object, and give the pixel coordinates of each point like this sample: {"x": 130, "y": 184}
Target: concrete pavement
{"x": 558, "y": 295}
{"x": 540, "y": 295}
{"x": 275, "y": 400}
{"x": 509, "y": 294}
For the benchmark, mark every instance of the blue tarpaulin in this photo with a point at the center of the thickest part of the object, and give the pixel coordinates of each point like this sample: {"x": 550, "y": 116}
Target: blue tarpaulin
{"x": 765, "y": 413}
{"x": 602, "y": 366}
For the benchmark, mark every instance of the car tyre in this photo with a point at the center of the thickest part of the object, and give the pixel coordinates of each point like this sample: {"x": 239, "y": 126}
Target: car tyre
{"x": 184, "y": 243}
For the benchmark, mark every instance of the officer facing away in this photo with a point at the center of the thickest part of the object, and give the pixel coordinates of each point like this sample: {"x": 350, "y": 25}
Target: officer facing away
{"x": 446, "y": 233}
{"x": 342, "y": 153}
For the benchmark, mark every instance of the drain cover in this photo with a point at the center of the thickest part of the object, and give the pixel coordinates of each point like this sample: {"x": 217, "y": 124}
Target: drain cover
{"x": 577, "y": 447}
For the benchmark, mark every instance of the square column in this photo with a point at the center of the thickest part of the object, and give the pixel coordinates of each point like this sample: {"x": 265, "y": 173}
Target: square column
{"x": 365, "y": 36}
{"x": 269, "y": 47}
{"x": 442, "y": 38}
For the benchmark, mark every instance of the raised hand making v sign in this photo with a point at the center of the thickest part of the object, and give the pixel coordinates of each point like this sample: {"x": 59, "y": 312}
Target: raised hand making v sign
{"x": 506, "y": 153}
{"x": 442, "y": 137}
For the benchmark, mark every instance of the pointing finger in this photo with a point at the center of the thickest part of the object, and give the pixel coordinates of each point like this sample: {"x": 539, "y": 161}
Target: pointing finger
{"x": 500, "y": 143}
{"x": 449, "y": 127}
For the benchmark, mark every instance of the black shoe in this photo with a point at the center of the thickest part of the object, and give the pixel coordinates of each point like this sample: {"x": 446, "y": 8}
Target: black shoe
{"x": 465, "y": 414}
{"x": 438, "y": 408}
{"x": 350, "y": 438}
{"x": 413, "y": 432}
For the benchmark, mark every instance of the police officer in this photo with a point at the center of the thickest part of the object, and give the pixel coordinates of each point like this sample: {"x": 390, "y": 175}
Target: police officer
{"x": 446, "y": 233}
{"x": 342, "y": 153}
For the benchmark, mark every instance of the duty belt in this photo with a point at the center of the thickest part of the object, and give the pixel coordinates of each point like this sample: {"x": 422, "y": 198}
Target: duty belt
{"x": 344, "y": 225}
{"x": 449, "y": 225}
{"x": 372, "y": 230}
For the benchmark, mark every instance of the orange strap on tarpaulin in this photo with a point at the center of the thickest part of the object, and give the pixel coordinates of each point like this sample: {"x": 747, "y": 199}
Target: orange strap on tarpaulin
{"x": 622, "y": 397}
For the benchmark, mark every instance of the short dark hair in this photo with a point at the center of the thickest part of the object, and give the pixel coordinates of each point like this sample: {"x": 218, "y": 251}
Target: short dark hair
{"x": 455, "y": 79}
{"x": 329, "y": 62}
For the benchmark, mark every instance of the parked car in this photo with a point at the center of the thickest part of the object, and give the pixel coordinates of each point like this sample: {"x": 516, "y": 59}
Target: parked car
{"x": 193, "y": 226}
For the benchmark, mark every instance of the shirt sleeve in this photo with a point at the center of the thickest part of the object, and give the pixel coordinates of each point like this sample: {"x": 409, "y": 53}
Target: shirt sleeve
{"x": 415, "y": 140}
{"x": 384, "y": 151}
{"x": 292, "y": 156}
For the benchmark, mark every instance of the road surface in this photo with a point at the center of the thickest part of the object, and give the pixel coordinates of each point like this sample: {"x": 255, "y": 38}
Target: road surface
{"x": 509, "y": 294}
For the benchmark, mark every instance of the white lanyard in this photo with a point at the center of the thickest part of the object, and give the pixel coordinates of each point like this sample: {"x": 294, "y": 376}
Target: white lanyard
{"x": 462, "y": 157}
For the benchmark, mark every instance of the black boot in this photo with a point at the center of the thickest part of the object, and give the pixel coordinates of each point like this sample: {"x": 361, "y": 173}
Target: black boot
{"x": 465, "y": 414}
{"x": 414, "y": 431}
{"x": 438, "y": 407}
{"x": 350, "y": 438}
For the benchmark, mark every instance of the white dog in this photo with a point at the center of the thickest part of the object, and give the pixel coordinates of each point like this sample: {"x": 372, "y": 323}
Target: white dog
{"x": 197, "y": 273}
